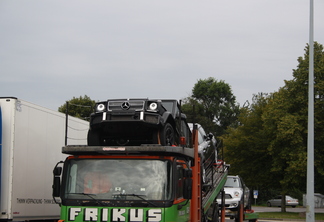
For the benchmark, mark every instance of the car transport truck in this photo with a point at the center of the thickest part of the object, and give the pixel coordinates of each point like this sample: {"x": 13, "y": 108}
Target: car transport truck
{"x": 31, "y": 140}
{"x": 147, "y": 182}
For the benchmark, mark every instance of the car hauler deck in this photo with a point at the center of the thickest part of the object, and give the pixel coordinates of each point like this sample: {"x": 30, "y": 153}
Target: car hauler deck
{"x": 136, "y": 183}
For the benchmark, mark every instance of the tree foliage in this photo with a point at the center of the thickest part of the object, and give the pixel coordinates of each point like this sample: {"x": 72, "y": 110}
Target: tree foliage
{"x": 271, "y": 138}
{"x": 212, "y": 105}
{"x": 246, "y": 146}
{"x": 80, "y": 107}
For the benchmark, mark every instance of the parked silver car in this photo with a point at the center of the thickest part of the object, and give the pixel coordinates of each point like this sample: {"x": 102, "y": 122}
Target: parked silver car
{"x": 276, "y": 202}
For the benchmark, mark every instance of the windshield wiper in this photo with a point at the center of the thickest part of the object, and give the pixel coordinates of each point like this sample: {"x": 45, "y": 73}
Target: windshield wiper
{"x": 134, "y": 195}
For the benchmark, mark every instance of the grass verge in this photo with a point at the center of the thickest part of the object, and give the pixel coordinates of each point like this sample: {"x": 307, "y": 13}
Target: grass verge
{"x": 288, "y": 215}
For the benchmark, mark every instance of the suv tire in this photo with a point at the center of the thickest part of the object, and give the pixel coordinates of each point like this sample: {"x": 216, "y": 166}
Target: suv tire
{"x": 93, "y": 138}
{"x": 167, "y": 135}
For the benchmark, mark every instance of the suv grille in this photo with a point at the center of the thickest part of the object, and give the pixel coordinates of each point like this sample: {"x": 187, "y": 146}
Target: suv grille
{"x": 227, "y": 196}
{"x": 125, "y": 105}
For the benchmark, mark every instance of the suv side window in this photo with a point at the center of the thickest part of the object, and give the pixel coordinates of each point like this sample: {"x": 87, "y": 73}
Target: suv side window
{"x": 185, "y": 131}
{"x": 168, "y": 105}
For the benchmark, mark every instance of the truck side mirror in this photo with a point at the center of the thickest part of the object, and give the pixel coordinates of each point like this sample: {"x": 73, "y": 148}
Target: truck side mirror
{"x": 57, "y": 180}
{"x": 56, "y": 186}
{"x": 187, "y": 188}
{"x": 57, "y": 171}
{"x": 187, "y": 173}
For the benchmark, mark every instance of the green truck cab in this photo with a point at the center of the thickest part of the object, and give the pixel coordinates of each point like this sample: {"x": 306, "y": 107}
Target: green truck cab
{"x": 134, "y": 183}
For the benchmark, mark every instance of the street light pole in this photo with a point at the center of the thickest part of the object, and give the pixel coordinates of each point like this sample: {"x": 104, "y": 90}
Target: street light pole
{"x": 310, "y": 139}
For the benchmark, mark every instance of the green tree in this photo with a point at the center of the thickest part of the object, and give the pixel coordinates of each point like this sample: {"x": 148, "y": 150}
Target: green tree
{"x": 80, "y": 107}
{"x": 215, "y": 105}
{"x": 245, "y": 147}
{"x": 273, "y": 131}
{"x": 286, "y": 131}
{"x": 286, "y": 121}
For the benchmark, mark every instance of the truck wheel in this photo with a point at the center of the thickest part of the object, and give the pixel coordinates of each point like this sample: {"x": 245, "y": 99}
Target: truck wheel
{"x": 167, "y": 135}
{"x": 93, "y": 138}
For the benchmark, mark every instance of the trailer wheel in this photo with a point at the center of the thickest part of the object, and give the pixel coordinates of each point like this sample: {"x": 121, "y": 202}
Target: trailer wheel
{"x": 239, "y": 213}
{"x": 167, "y": 135}
{"x": 93, "y": 138}
{"x": 213, "y": 213}
{"x": 249, "y": 205}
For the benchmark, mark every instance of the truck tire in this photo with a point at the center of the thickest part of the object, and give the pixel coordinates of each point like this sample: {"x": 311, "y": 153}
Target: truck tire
{"x": 93, "y": 138}
{"x": 167, "y": 135}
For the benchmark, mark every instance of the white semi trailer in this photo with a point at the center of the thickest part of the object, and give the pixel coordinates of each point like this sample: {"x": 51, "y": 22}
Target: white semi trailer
{"x": 31, "y": 139}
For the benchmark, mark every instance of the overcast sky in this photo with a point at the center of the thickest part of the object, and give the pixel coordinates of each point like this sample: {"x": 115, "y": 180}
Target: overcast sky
{"x": 53, "y": 50}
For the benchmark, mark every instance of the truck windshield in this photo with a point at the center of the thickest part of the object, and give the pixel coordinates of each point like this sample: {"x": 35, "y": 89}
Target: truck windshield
{"x": 118, "y": 179}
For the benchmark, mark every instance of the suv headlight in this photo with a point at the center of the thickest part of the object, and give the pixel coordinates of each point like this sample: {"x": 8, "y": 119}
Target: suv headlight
{"x": 237, "y": 194}
{"x": 100, "y": 108}
{"x": 152, "y": 107}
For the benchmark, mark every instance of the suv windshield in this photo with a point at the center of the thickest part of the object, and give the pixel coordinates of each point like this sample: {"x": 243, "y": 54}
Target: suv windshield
{"x": 118, "y": 179}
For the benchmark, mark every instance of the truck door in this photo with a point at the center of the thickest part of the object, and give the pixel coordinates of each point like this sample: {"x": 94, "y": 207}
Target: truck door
{"x": 181, "y": 206}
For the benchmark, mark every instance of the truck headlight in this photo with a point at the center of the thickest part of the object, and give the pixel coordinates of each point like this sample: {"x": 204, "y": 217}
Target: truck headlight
{"x": 100, "y": 107}
{"x": 236, "y": 194}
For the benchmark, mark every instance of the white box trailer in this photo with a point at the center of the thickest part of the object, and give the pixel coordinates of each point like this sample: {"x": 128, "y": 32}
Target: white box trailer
{"x": 31, "y": 139}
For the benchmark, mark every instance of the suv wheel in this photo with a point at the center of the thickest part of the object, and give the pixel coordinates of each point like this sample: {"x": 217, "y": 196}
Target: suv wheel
{"x": 93, "y": 138}
{"x": 167, "y": 135}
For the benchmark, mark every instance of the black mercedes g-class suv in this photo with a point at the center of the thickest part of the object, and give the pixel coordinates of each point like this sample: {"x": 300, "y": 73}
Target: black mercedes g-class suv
{"x": 132, "y": 122}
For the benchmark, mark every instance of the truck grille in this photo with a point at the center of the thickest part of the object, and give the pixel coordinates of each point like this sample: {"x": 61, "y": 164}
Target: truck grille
{"x": 125, "y": 105}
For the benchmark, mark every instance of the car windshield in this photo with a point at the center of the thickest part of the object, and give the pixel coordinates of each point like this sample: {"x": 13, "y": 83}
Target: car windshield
{"x": 232, "y": 182}
{"x": 115, "y": 179}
